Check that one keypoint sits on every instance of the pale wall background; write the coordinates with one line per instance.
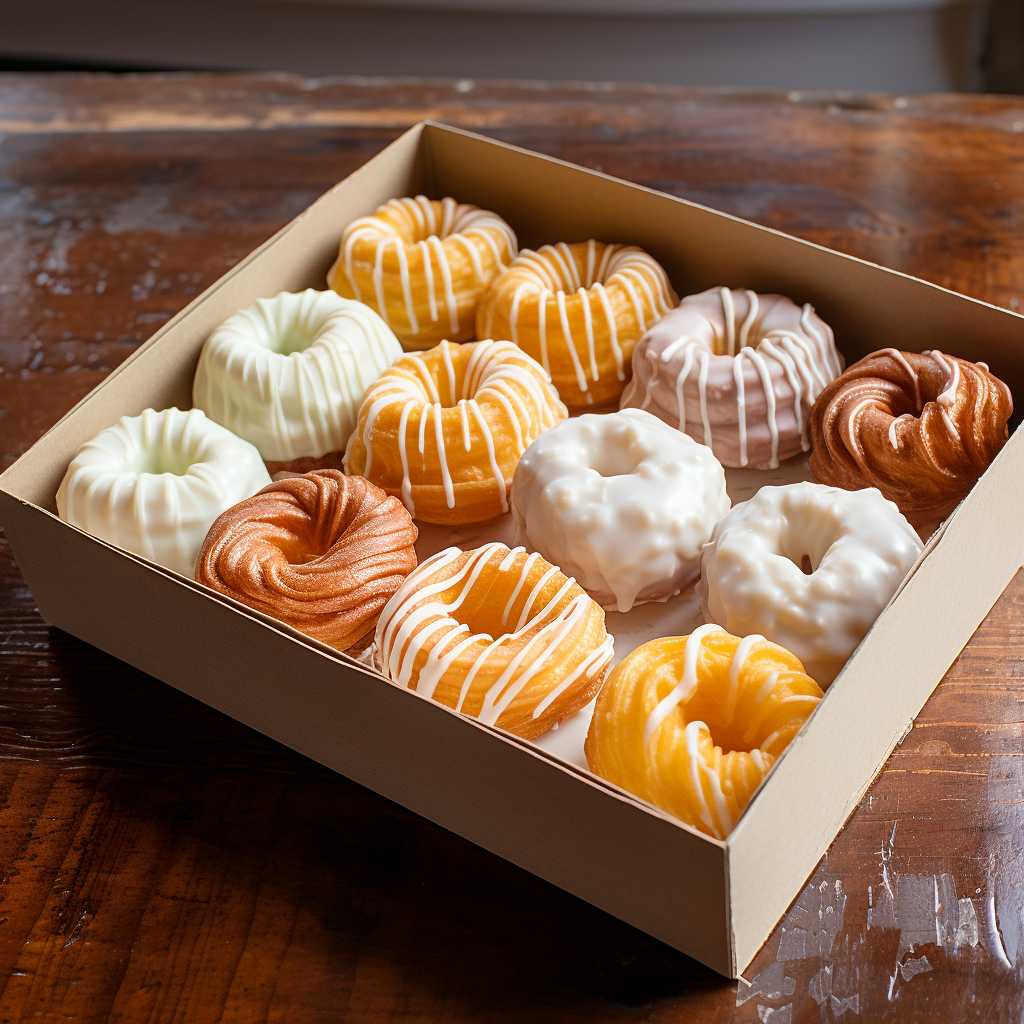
(885, 45)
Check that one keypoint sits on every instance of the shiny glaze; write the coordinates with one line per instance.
(754, 576)
(737, 371)
(153, 484)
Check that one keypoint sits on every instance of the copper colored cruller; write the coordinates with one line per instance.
(920, 427)
(322, 552)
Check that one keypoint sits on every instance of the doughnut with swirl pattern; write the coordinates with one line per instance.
(323, 552)
(920, 427)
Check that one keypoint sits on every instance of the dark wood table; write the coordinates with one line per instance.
(161, 862)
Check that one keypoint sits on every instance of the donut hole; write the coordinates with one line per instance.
(490, 609)
(449, 388)
(733, 318)
(805, 563)
(800, 549)
(301, 550)
(707, 707)
(483, 612)
(158, 462)
(615, 460)
(569, 266)
(295, 336)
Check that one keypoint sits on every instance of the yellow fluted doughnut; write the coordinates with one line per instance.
(423, 264)
(693, 724)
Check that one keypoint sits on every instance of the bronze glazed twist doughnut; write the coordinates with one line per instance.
(920, 427)
(322, 552)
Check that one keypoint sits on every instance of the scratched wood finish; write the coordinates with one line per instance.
(160, 862)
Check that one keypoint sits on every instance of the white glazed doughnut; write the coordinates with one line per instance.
(737, 371)
(288, 373)
(153, 484)
(809, 567)
(622, 502)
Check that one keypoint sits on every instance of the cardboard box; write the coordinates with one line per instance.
(717, 901)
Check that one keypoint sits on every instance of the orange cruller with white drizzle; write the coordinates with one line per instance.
(423, 264)
(579, 309)
(497, 634)
(693, 724)
(443, 430)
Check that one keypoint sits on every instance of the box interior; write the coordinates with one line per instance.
(734, 892)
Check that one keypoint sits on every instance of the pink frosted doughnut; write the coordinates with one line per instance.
(737, 371)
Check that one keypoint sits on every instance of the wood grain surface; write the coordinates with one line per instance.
(159, 862)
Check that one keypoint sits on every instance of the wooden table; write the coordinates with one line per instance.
(161, 862)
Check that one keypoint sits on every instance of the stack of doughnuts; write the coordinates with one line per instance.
(565, 397)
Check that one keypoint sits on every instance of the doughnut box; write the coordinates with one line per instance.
(715, 900)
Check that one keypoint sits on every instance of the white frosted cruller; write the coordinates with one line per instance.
(623, 502)
(808, 566)
(289, 373)
(154, 484)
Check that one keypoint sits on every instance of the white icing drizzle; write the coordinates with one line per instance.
(378, 281)
(563, 317)
(513, 314)
(428, 276)
(403, 223)
(404, 455)
(766, 688)
(739, 659)
(588, 327)
(702, 387)
(542, 337)
(499, 477)
(403, 273)
(909, 371)
(741, 408)
(680, 381)
(446, 477)
(590, 665)
(497, 372)
(421, 612)
(751, 316)
(683, 690)
(446, 279)
(613, 334)
(947, 397)
(446, 357)
(729, 316)
(700, 771)
(464, 415)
